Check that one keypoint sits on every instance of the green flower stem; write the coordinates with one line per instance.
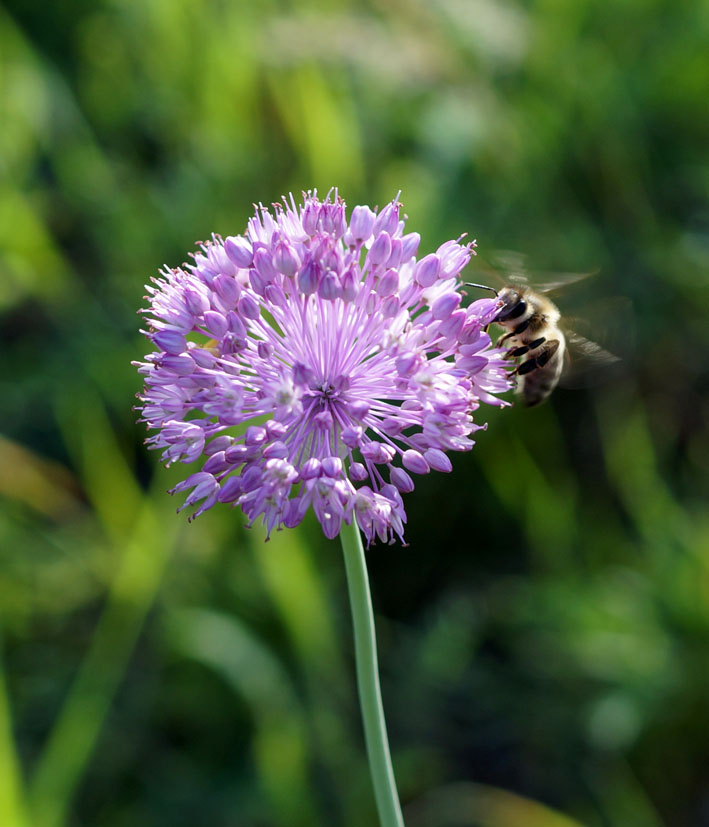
(370, 696)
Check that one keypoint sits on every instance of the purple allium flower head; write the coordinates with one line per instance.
(314, 362)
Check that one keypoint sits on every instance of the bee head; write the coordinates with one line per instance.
(513, 304)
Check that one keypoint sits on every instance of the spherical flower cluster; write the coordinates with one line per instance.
(315, 361)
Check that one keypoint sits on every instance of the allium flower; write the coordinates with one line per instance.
(315, 361)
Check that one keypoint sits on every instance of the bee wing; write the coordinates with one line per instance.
(586, 361)
(513, 268)
(509, 263)
(557, 281)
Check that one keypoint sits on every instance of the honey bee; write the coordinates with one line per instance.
(537, 339)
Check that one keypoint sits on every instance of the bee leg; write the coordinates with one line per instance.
(514, 352)
(519, 329)
(538, 361)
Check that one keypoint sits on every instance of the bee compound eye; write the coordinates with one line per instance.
(513, 311)
(518, 309)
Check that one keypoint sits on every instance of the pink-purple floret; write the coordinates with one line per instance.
(316, 362)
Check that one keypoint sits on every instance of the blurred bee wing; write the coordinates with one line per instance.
(501, 268)
(557, 281)
(509, 261)
(587, 363)
(513, 268)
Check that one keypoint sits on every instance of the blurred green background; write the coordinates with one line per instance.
(544, 638)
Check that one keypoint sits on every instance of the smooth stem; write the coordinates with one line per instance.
(370, 697)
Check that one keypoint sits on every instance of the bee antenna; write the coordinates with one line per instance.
(481, 286)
